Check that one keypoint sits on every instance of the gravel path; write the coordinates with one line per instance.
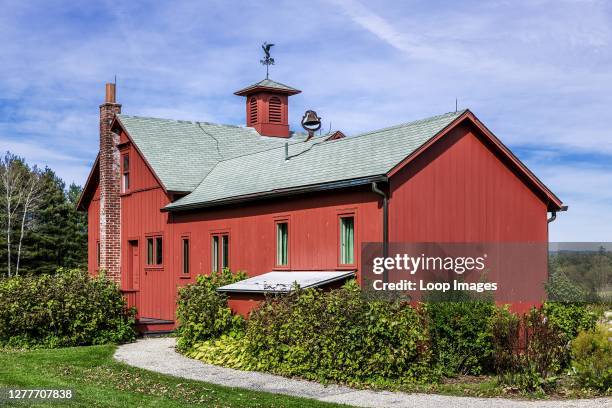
(157, 354)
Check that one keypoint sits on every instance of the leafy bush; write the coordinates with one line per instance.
(339, 336)
(592, 359)
(528, 350)
(203, 313)
(228, 351)
(570, 318)
(461, 336)
(68, 308)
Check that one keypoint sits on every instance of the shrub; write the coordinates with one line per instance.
(68, 308)
(461, 336)
(528, 350)
(339, 336)
(227, 351)
(203, 313)
(592, 359)
(570, 318)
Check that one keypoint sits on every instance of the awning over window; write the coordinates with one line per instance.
(282, 282)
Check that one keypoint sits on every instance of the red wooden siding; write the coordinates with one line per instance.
(152, 287)
(313, 232)
(93, 231)
(459, 191)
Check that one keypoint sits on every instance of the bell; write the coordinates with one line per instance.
(311, 121)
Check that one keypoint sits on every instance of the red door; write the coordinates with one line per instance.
(156, 300)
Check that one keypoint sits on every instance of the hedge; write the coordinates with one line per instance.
(341, 336)
(68, 308)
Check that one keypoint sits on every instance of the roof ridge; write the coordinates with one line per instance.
(371, 132)
(194, 122)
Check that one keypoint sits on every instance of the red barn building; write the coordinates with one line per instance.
(169, 199)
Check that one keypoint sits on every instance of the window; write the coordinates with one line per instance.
(274, 110)
(347, 240)
(282, 243)
(186, 255)
(219, 252)
(98, 253)
(125, 183)
(155, 251)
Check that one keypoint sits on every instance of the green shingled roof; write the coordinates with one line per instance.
(269, 84)
(181, 153)
(315, 162)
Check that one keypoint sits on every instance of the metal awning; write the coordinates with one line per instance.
(283, 282)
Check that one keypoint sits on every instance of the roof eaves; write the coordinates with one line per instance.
(333, 185)
(80, 203)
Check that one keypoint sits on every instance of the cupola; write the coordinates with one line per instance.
(267, 108)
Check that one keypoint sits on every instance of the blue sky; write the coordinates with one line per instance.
(537, 72)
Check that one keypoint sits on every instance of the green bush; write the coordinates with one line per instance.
(528, 350)
(203, 313)
(570, 318)
(68, 308)
(592, 359)
(339, 336)
(461, 336)
(227, 351)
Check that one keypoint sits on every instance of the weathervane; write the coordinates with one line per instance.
(267, 60)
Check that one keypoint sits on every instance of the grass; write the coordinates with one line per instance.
(99, 381)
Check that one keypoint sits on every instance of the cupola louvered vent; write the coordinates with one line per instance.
(253, 110)
(274, 110)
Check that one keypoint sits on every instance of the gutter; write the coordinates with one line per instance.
(385, 240)
(553, 215)
(279, 193)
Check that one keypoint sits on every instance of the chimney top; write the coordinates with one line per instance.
(110, 93)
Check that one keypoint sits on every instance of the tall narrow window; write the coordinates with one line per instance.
(98, 253)
(347, 240)
(125, 185)
(149, 251)
(220, 252)
(215, 253)
(155, 251)
(224, 251)
(158, 251)
(186, 255)
(274, 110)
(282, 243)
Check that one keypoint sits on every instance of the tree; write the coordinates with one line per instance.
(32, 191)
(14, 175)
(41, 228)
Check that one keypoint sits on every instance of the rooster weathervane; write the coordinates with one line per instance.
(267, 59)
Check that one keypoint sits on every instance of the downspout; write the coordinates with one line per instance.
(385, 222)
(553, 216)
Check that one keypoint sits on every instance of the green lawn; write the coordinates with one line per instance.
(99, 381)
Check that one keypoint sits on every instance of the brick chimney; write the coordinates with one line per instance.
(267, 107)
(110, 210)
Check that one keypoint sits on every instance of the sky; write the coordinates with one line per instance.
(538, 73)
